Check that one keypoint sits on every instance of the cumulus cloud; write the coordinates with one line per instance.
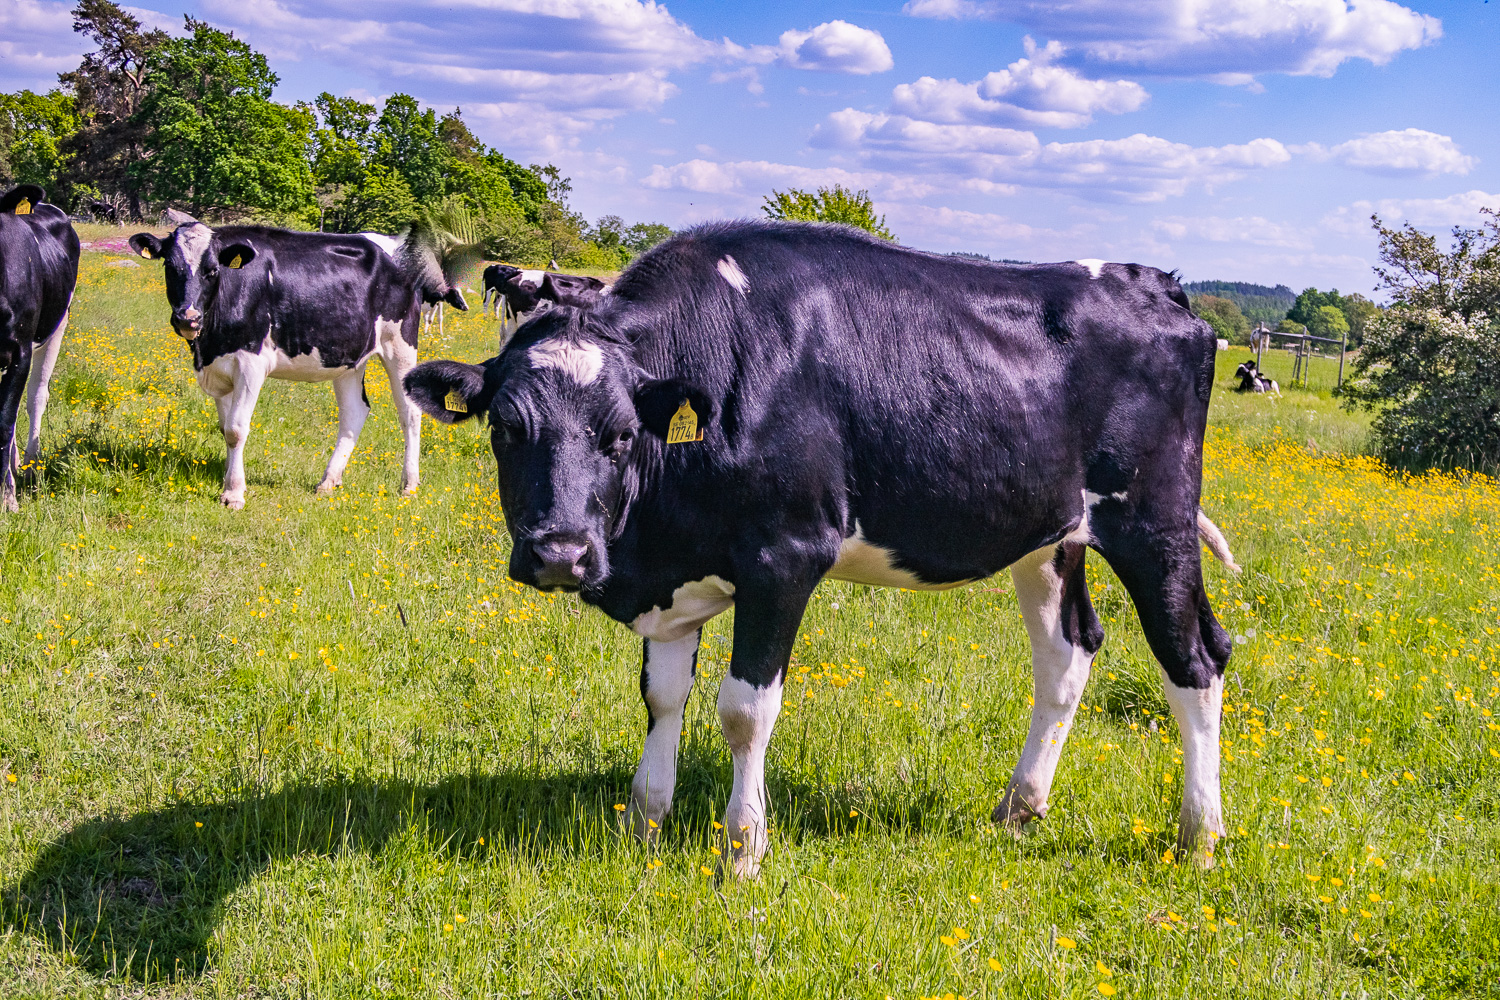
(1228, 40)
(1254, 230)
(1462, 209)
(836, 47)
(1401, 153)
(1138, 168)
(1031, 91)
(36, 43)
(752, 178)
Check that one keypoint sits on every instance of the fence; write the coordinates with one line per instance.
(1301, 359)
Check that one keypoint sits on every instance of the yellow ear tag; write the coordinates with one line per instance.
(236, 262)
(23, 207)
(455, 402)
(146, 252)
(684, 425)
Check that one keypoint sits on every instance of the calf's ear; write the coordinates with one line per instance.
(236, 255)
(657, 400)
(449, 391)
(146, 245)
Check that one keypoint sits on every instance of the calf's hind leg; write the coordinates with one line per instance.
(1163, 573)
(399, 357)
(1065, 635)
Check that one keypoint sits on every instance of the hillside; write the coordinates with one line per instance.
(1259, 303)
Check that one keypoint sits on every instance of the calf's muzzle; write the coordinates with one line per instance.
(559, 562)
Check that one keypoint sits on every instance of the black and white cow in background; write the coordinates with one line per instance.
(850, 409)
(1252, 379)
(255, 303)
(519, 292)
(431, 305)
(38, 271)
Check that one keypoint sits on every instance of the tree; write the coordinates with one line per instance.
(1224, 316)
(1359, 312)
(108, 89)
(1328, 322)
(1430, 365)
(406, 140)
(33, 128)
(215, 140)
(835, 204)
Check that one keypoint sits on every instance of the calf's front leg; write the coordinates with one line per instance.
(249, 376)
(765, 629)
(12, 383)
(37, 388)
(667, 673)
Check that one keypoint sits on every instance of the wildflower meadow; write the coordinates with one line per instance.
(324, 747)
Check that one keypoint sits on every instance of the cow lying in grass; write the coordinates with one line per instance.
(1253, 380)
(758, 406)
(38, 270)
(255, 303)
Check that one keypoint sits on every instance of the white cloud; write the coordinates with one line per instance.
(836, 47)
(1252, 230)
(1403, 152)
(749, 179)
(36, 43)
(1231, 41)
(1031, 91)
(1138, 168)
(1462, 209)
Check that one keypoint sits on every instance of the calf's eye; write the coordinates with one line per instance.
(621, 443)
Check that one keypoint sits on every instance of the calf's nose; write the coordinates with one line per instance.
(560, 563)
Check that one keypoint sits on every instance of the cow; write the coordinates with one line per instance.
(1252, 379)
(757, 406)
(38, 271)
(254, 302)
(520, 292)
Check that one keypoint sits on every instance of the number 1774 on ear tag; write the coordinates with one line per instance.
(684, 425)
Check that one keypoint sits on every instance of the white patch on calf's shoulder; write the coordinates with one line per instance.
(389, 244)
(730, 272)
(581, 362)
(1094, 264)
(861, 561)
(531, 276)
(692, 604)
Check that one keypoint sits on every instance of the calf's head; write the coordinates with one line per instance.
(571, 418)
(193, 255)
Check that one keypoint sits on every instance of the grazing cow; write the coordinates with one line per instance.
(521, 291)
(38, 270)
(254, 302)
(757, 406)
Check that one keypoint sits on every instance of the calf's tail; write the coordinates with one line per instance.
(1217, 544)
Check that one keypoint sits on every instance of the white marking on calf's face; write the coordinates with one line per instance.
(1095, 265)
(692, 604)
(193, 240)
(730, 272)
(863, 562)
(581, 362)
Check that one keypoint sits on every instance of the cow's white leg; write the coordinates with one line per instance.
(748, 714)
(400, 358)
(1059, 671)
(1201, 823)
(349, 394)
(249, 376)
(43, 361)
(667, 672)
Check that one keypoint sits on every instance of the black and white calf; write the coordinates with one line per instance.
(758, 406)
(1252, 379)
(38, 270)
(520, 292)
(256, 303)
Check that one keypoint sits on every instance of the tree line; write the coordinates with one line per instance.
(1232, 307)
(150, 120)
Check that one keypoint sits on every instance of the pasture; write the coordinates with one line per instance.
(323, 747)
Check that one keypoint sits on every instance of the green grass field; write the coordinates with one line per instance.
(323, 747)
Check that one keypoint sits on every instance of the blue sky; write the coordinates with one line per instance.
(1236, 139)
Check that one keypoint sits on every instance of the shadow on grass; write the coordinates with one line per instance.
(141, 896)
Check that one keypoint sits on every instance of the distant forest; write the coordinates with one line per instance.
(1259, 303)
